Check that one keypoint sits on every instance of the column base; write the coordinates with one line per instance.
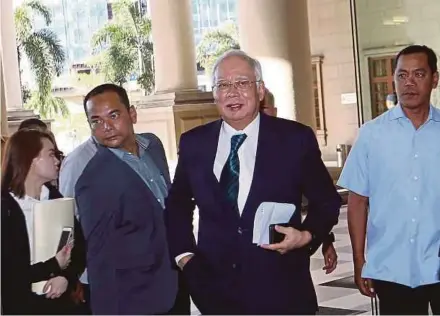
(18, 115)
(170, 114)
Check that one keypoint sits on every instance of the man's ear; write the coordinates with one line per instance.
(133, 114)
(261, 90)
(435, 78)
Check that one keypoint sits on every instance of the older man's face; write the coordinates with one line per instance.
(236, 92)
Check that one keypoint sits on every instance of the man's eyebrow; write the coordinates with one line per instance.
(110, 113)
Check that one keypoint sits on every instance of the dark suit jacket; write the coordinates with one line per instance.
(129, 267)
(229, 274)
(17, 272)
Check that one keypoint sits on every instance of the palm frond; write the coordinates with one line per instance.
(47, 105)
(120, 42)
(40, 62)
(23, 23)
(54, 48)
(213, 44)
(111, 32)
(37, 7)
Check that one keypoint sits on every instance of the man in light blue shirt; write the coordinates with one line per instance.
(393, 174)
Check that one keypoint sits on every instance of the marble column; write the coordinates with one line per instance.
(277, 34)
(9, 55)
(4, 117)
(177, 105)
(174, 48)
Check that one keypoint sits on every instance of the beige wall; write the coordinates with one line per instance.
(331, 37)
(378, 38)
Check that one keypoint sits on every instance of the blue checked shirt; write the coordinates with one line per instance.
(398, 168)
(145, 167)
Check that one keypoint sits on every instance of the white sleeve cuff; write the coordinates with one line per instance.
(182, 255)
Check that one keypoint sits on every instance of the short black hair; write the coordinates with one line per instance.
(32, 123)
(106, 87)
(416, 49)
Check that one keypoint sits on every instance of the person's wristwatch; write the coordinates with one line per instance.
(331, 238)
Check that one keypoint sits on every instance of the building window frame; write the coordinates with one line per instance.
(364, 75)
(318, 99)
(387, 78)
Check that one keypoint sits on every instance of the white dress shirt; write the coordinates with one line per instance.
(27, 206)
(246, 154)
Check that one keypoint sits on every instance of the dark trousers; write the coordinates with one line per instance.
(397, 299)
(84, 307)
(182, 305)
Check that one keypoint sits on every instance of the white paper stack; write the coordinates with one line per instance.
(269, 213)
(49, 219)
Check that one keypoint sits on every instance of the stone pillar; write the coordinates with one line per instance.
(173, 40)
(177, 104)
(277, 34)
(4, 115)
(9, 55)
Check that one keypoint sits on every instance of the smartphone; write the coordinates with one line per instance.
(274, 236)
(66, 237)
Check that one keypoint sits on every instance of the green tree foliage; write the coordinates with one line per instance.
(125, 46)
(214, 43)
(46, 58)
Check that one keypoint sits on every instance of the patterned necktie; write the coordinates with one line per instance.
(229, 179)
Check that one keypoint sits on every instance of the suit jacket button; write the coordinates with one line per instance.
(234, 266)
(240, 231)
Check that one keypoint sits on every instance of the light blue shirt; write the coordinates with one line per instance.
(71, 169)
(146, 168)
(398, 168)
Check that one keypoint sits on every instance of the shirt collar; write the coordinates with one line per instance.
(44, 195)
(249, 130)
(142, 143)
(397, 113)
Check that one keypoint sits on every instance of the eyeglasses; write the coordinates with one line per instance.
(239, 84)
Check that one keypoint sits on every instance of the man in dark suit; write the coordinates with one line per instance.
(228, 168)
(120, 198)
(267, 106)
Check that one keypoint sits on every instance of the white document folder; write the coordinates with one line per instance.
(269, 213)
(49, 219)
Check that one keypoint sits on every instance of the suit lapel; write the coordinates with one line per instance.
(262, 168)
(129, 172)
(161, 165)
(211, 149)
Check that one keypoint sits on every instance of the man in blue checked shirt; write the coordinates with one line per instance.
(393, 174)
(120, 198)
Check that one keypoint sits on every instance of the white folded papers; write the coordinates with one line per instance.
(49, 219)
(269, 213)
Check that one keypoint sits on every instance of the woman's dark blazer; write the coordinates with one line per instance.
(17, 274)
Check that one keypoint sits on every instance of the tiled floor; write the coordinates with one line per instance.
(336, 292)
